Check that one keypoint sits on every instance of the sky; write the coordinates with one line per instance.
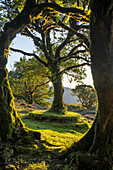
(26, 44)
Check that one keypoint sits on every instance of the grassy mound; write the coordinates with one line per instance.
(58, 130)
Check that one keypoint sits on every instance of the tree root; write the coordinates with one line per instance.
(88, 162)
(82, 145)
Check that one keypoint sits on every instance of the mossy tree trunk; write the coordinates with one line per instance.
(10, 124)
(58, 104)
(8, 115)
(56, 79)
(101, 29)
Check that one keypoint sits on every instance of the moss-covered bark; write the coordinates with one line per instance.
(99, 139)
(10, 124)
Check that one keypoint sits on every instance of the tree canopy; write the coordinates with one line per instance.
(62, 49)
(28, 81)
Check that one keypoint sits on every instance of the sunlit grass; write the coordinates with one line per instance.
(59, 140)
(38, 111)
(57, 134)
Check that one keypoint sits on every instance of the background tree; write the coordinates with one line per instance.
(86, 95)
(59, 54)
(29, 82)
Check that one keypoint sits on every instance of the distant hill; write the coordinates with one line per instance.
(68, 98)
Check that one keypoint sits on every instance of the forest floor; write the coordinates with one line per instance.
(58, 133)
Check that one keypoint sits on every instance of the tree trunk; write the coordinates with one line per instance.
(58, 104)
(10, 124)
(101, 29)
(30, 98)
(8, 115)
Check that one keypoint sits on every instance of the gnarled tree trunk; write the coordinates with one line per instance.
(101, 29)
(10, 124)
(8, 115)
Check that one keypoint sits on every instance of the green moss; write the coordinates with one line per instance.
(38, 166)
(10, 124)
(8, 113)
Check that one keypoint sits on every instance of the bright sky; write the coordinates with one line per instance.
(26, 44)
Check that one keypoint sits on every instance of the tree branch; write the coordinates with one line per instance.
(75, 66)
(61, 46)
(48, 42)
(35, 39)
(40, 30)
(30, 54)
(70, 53)
(72, 30)
(81, 36)
(82, 58)
(39, 85)
(11, 28)
(77, 57)
(69, 11)
(44, 46)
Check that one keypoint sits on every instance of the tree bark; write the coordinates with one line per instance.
(56, 79)
(101, 31)
(58, 104)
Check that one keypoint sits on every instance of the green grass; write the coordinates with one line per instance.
(58, 131)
